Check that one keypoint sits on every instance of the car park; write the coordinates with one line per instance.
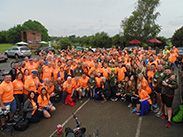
(18, 51)
(3, 57)
(47, 49)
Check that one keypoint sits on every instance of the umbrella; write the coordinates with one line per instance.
(21, 43)
(154, 41)
(135, 41)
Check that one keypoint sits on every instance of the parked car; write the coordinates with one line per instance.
(18, 51)
(131, 47)
(180, 50)
(47, 49)
(3, 57)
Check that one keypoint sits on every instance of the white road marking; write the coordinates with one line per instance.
(138, 127)
(70, 117)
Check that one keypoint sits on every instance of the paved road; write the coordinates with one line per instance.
(112, 119)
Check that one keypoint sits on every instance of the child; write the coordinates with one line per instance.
(120, 92)
(91, 85)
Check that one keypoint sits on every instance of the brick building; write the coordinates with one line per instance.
(31, 37)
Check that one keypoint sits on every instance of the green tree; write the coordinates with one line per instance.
(141, 24)
(64, 42)
(177, 38)
(35, 25)
(101, 40)
(14, 34)
(3, 36)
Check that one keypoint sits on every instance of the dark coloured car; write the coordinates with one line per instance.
(3, 57)
(47, 49)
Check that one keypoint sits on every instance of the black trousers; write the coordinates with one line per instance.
(19, 100)
(36, 117)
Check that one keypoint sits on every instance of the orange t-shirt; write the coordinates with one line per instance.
(43, 101)
(40, 88)
(16, 85)
(6, 92)
(106, 72)
(146, 86)
(51, 89)
(31, 67)
(121, 73)
(150, 75)
(143, 94)
(84, 81)
(31, 84)
(173, 57)
(98, 81)
(55, 74)
(47, 72)
(96, 70)
(36, 64)
(77, 84)
(70, 88)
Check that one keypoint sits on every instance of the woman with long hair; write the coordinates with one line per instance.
(31, 111)
(18, 92)
(45, 103)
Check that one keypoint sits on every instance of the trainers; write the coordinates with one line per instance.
(130, 105)
(155, 105)
(5, 129)
(134, 110)
(156, 110)
(115, 99)
(159, 114)
(12, 122)
(103, 101)
(123, 99)
(168, 124)
(112, 99)
(138, 113)
(16, 117)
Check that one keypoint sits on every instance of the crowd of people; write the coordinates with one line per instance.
(143, 78)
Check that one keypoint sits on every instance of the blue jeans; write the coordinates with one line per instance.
(13, 105)
(92, 90)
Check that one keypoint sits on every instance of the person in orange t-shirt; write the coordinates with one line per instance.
(106, 70)
(44, 103)
(31, 65)
(145, 85)
(150, 74)
(18, 91)
(98, 79)
(7, 98)
(32, 83)
(68, 88)
(48, 71)
(96, 68)
(84, 84)
(77, 85)
(55, 71)
(121, 72)
(143, 98)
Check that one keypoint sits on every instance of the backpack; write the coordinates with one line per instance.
(21, 125)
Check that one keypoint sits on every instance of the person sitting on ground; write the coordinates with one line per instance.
(120, 93)
(44, 103)
(58, 89)
(105, 91)
(143, 102)
(31, 111)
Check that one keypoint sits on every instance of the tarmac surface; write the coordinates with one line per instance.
(112, 119)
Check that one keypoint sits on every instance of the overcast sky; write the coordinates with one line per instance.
(85, 17)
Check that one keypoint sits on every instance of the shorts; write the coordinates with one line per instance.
(92, 90)
(13, 106)
(46, 108)
(167, 100)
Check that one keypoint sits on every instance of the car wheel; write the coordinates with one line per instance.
(6, 55)
(16, 56)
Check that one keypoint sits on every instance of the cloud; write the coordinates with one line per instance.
(176, 22)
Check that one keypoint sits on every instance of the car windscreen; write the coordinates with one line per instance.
(24, 48)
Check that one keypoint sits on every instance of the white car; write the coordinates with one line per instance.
(18, 51)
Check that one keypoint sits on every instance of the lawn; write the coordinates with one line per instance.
(4, 47)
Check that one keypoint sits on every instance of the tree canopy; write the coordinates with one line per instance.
(141, 24)
(177, 38)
